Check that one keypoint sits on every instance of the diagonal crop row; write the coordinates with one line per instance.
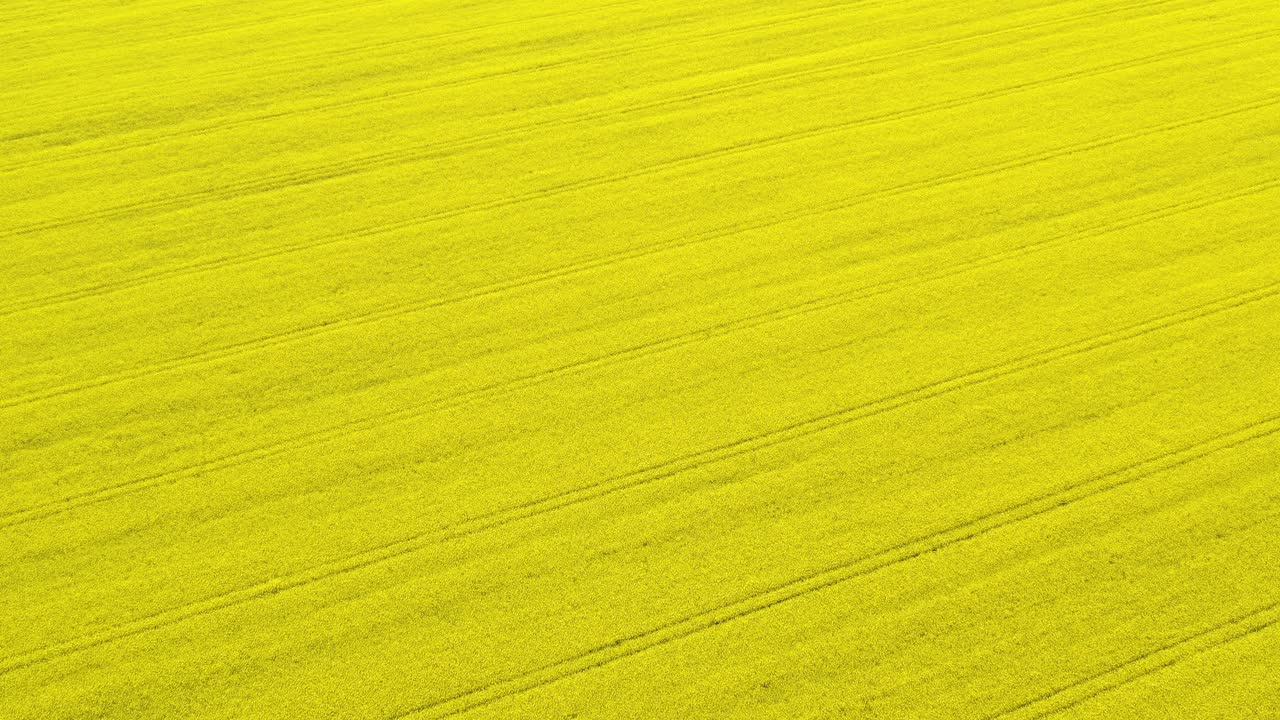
(401, 309)
(1064, 698)
(289, 248)
(648, 349)
(642, 477)
(377, 161)
(202, 266)
(593, 57)
(363, 50)
(852, 569)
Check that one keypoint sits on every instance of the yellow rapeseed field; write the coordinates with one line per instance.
(639, 359)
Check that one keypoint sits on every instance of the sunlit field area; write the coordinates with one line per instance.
(639, 359)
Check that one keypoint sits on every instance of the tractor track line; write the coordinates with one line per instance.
(743, 446)
(1150, 662)
(317, 56)
(586, 58)
(398, 310)
(92, 291)
(667, 344)
(811, 583)
(347, 168)
(101, 289)
(576, 119)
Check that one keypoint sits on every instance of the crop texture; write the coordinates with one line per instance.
(639, 359)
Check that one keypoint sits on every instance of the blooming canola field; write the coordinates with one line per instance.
(608, 359)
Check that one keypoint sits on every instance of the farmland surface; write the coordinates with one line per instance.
(622, 359)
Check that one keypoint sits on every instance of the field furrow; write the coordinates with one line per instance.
(616, 359)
